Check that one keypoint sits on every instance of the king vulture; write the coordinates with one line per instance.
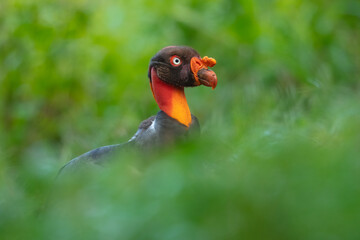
(171, 70)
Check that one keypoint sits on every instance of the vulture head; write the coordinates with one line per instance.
(172, 69)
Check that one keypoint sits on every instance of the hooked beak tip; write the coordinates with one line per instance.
(207, 77)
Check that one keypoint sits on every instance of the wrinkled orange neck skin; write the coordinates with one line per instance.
(170, 99)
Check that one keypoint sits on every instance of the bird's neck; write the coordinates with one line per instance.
(170, 99)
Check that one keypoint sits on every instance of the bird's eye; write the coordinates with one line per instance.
(175, 61)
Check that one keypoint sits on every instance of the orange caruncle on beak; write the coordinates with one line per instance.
(202, 74)
(210, 62)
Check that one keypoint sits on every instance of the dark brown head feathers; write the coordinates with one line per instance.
(179, 75)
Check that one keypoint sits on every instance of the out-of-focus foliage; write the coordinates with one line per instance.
(279, 153)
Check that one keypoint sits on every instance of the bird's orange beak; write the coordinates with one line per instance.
(202, 74)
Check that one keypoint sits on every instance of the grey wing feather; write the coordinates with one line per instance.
(101, 155)
(98, 156)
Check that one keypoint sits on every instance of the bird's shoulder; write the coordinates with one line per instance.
(147, 122)
(146, 133)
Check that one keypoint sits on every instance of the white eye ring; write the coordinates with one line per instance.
(176, 61)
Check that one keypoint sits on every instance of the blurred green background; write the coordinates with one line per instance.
(279, 156)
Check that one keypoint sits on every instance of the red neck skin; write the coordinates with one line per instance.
(170, 99)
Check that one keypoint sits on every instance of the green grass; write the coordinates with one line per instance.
(279, 154)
